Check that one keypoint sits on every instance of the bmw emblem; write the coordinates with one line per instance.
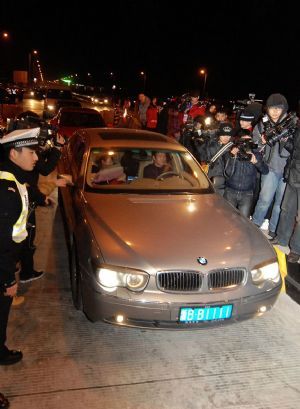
(202, 261)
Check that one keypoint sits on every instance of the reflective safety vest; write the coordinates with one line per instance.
(19, 229)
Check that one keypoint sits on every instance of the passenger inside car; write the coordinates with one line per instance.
(108, 172)
(161, 164)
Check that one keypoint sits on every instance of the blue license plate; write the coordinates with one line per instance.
(210, 313)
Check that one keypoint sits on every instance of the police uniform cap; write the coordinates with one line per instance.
(21, 138)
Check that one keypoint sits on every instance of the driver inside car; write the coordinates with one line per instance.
(159, 166)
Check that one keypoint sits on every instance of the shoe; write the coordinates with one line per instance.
(35, 275)
(265, 225)
(271, 234)
(11, 357)
(4, 404)
(293, 257)
(274, 240)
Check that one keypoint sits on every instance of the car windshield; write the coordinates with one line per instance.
(59, 94)
(81, 119)
(136, 170)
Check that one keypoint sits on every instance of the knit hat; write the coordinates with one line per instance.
(277, 100)
(225, 129)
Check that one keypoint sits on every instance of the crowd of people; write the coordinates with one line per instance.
(251, 157)
(253, 163)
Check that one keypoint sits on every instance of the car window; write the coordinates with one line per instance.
(144, 170)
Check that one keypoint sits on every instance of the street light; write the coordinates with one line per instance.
(144, 78)
(203, 71)
(33, 52)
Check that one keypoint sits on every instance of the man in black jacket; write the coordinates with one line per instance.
(241, 172)
(288, 230)
(47, 161)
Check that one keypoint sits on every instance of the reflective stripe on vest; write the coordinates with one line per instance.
(19, 229)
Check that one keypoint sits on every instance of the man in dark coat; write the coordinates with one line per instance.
(288, 231)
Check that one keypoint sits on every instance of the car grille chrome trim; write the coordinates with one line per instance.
(226, 278)
(181, 281)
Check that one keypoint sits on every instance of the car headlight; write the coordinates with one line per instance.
(50, 107)
(111, 277)
(268, 272)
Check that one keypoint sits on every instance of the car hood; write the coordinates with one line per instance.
(165, 232)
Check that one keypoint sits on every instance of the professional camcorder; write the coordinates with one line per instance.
(28, 119)
(241, 104)
(246, 147)
(283, 130)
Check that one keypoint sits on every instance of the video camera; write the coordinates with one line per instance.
(241, 104)
(28, 119)
(245, 146)
(284, 130)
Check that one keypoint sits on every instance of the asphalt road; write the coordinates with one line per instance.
(70, 362)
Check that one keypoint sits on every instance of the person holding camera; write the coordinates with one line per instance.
(192, 108)
(288, 230)
(213, 153)
(275, 156)
(48, 157)
(241, 173)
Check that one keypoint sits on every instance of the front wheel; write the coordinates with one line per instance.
(75, 279)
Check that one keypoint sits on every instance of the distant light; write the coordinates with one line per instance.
(114, 87)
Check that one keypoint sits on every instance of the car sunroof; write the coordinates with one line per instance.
(131, 137)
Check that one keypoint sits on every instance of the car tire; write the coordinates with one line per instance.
(75, 279)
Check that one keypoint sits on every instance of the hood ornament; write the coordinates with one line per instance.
(202, 260)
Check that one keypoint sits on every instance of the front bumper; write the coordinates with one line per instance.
(164, 315)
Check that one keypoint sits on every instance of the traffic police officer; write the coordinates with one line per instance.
(20, 155)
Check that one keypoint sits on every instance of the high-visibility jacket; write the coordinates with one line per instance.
(19, 229)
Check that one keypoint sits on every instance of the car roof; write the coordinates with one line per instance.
(116, 137)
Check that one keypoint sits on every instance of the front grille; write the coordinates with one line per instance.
(225, 278)
(179, 281)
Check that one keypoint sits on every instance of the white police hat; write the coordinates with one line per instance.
(21, 138)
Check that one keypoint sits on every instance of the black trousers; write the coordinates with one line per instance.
(5, 304)
(28, 248)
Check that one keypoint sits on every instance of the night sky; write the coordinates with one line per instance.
(246, 46)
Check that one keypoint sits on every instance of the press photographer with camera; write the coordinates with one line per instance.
(213, 152)
(272, 142)
(48, 156)
(191, 108)
(240, 172)
(288, 230)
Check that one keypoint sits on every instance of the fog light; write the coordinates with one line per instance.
(120, 318)
(263, 308)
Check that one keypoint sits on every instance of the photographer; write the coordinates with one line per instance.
(48, 157)
(288, 231)
(241, 172)
(192, 108)
(275, 155)
(209, 149)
